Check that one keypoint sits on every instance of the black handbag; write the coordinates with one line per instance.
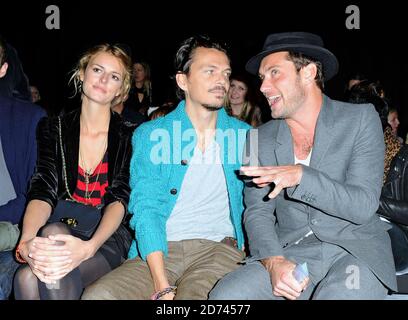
(83, 219)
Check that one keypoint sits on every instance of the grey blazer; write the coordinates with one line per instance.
(339, 192)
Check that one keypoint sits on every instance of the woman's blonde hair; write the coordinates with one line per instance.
(147, 83)
(117, 52)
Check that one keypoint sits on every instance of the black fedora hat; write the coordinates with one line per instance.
(307, 43)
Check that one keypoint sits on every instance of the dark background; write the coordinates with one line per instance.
(154, 29)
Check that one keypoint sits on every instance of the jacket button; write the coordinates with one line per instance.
(303, 197)
(173, 191)
(314, 221)
(184, 162)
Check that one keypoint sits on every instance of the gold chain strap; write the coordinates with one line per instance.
(64, 169)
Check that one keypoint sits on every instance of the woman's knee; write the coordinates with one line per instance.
(54, 228)
(24, 275)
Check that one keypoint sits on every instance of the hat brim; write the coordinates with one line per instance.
(328, 59)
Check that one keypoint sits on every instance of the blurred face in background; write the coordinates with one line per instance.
(35, 94)
(237, 92)
(352, 83)
(139, 72)
(393, 121)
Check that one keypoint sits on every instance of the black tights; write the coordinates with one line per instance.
(28, 287)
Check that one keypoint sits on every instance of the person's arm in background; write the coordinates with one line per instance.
(395, 206)
(394, 210)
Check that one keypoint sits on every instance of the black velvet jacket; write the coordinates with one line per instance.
(47, 183)
(394, 195)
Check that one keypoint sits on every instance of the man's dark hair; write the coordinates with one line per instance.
(300, 60)
(15, 82)
(365, 92)
(185, 54)
(357, 76)
(2, 51)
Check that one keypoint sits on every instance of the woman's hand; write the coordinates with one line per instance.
(45, 257)
(58, 256)
(80, 251)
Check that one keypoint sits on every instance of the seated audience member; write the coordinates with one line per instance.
(394, 194)
(83, 160)
(240, 100)
(18, 154)
(365, 93)
(393, 121)
(187, 211)
(311, 206)
(141, 94)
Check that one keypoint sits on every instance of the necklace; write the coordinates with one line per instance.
(87, 175)
(88, 172)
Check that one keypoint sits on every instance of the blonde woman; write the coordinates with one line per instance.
(140, 95)
(83, 156)
(240, 102)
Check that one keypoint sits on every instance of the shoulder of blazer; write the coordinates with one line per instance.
(68, 119)
(269, 130)
(348, 110)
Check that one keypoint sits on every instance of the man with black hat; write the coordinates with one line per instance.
(320, 163)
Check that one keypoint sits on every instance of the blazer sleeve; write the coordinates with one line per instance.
(259, 214)
(44, 183)
(119, 190)
(357, 198)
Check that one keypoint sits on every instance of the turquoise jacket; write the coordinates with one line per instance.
(162, 150)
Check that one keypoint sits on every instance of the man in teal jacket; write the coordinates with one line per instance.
(186, 196)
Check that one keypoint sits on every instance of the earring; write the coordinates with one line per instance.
(80, 86)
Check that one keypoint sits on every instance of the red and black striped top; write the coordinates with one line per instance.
(96, 186)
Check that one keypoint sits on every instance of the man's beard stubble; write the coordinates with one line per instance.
(212, 107)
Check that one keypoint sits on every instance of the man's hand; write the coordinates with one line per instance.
(281, 176)
(283, 282)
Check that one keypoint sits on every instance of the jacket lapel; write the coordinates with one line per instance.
(323, 133)
(284, 151)
(113, 143)
(70, 139)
